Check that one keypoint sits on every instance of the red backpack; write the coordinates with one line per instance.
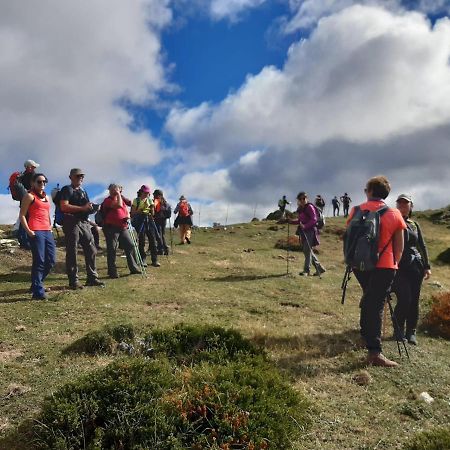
(14, 179)
(184, 209)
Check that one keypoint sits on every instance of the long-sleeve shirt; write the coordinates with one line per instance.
(415, 247)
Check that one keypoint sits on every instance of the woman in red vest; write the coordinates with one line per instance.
(35, 219)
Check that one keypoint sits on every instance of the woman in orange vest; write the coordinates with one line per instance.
(184, 220)
(35, 219)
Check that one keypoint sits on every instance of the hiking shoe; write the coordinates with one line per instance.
(45, 289)
(76, 286)
(113, 275)
(135, 272)
(411, 337)
(39, 297)
(379, 360)
(188, 240)
(156, 264)
(166, 252)
(95, 282)
(304, 274)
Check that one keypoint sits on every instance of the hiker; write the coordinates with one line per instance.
(36, 221)
(308, 234)
(336, 206)
(346, 200)
(282, 203)
(319, 202)
(142, 214)
(184, 220)
(76, 206)
(163, 211)
(376, 283)
(115, 228)
(413, 268)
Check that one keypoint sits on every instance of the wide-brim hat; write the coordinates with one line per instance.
(76, 171)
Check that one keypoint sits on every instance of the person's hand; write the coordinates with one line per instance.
(301, 226)
(427, 274)
(88, 207)
(31, 234)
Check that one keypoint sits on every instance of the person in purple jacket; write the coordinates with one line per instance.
(308, 233)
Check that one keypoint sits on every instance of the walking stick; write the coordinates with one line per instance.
(136, 250)
(287, 250)
(313, 256)
(396, 327)
(171, 236)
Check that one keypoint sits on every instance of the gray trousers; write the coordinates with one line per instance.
(114, 236)
(79, 232)
(310, 257)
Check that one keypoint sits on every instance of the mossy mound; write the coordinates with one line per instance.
(243, 402)
(444, 257)
(438, 439)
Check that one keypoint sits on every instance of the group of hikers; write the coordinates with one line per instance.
(148, 218)
(383, 247)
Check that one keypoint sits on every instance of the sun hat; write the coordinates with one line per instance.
(145, 188)
(406, 197)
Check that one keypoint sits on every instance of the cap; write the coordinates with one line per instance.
(406, 197)
(145, 188)
(182, 198)
(76, 172)
(30, 163)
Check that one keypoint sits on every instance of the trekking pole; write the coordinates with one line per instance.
(199, 209)
(345, 280)
(136, 249)
(313, 256)
(171, 235)
(226, 217)
(287, 251)
(396, 327)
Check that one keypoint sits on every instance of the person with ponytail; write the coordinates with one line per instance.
(35, 219)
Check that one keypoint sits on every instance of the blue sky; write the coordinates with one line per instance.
(228, 101)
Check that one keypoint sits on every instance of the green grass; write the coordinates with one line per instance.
(220, 281)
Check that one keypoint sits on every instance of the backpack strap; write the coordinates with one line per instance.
(382, 211)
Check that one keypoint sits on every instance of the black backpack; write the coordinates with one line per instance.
(361, 239)
(320, 217)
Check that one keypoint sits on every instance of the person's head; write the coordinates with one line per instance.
(30, 165)
(76, 177)
(302, 199)
(114, 189)
(284, 197)
(182, 198)
(38, 182)
(378, 187)
(144, 191)
(405, 205)
(157, 193)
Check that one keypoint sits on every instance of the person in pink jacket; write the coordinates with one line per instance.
(308, 233)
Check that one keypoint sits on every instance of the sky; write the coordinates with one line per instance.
(232, 103)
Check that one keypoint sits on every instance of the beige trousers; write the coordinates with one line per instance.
(185, 232)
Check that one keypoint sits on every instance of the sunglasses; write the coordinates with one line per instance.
(41, 181)
(79, 176)
(302, 198)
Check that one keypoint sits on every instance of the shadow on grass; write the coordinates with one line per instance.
(305, 351)
(249, 277)
(59, 268)
(20, 438)
(9, 296)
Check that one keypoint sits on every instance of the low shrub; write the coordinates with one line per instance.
(138, 403)
(189, 343)
(437, 321)
(292, 244)
(444, 257)
(438, 439)
(102, 341)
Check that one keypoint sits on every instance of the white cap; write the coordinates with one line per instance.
(30, 163)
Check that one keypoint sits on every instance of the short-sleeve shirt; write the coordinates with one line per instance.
(143, 206)
(116, 217)
(75, 197)
(391, 221)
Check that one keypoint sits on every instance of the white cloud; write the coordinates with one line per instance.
(64, 66)
(220, 9)
(365, 82)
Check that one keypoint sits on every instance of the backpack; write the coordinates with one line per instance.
(183, 209)
(99, 217)
(320, 217)
(14, 186)
(167, 211)
(361, 239)
(56, 197)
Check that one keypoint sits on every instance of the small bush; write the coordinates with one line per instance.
(293, 243)
(139, 403)
(437, 321)
(102, 341)
(198, 343)
(444, 257)
(438, 439)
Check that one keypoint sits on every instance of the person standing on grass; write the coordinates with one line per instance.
(413, 268)
(376, 283)
(36, 221)
(163, 211)
(142, 214)
(184, 220)
(115, 229)
(320, 202)
(336, 206)
(346, 200)
(308, 233)
(76, 206)
(282, 203)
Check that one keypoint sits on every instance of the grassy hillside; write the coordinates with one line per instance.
(234, 278)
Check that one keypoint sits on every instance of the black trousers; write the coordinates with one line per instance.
(161, 227)
(376, 285)
(150, 232)
(114, 236)
(407, 285)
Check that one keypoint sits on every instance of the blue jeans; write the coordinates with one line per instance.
(43, 249)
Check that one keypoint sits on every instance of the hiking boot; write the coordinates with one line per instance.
(379, 360)
(76, 286)
(156, 264)
(39, 297)
(411, 337)
(95, 282)
(166, 252)
(188, 240)
(135, 272)
(113, 275)
(304, 274)
(45, 289)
